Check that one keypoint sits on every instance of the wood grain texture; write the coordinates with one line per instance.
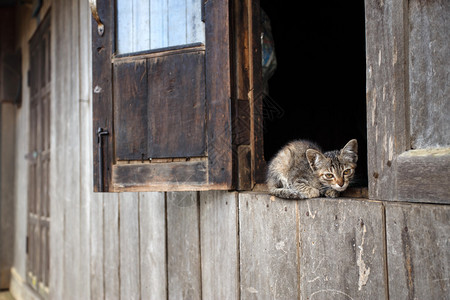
(131, 109)
(111, 246)
(257, 96)
(96, 255)
(130, 283)
(86, 195)
(218, 92)
(183, 246)
(71, 141)
(189, 175)
(219, 245)
(269, 257)
(418, 251)
(342, 249)
(386, 85)
(102, 91)
(423, 176)
(152, 235)
(176, 111)
(65, 233)
(429, 72)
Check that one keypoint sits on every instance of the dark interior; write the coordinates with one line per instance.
(318, 89)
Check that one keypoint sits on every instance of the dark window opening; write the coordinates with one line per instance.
(318, 89)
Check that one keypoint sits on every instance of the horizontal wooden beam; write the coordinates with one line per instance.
(423, 175)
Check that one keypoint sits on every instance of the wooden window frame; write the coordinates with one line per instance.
(396, 171)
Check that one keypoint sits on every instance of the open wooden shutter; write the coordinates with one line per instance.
(161, 116)
(408, 103)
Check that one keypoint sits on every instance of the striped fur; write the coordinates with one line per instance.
(300, 170)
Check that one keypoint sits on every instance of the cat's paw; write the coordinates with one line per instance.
(331, 193)
(312, 193)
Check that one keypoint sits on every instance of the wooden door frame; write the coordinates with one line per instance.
(396, 172)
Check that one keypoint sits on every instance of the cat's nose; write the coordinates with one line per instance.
(340, 182)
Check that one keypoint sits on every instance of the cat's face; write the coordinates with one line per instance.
(335, 169)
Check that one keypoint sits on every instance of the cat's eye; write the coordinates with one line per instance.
(329, 175)
(347, 172)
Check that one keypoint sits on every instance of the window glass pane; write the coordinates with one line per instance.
(151, 24)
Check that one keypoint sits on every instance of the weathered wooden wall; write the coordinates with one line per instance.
(408, 107)
(210, 245)
(227, 245)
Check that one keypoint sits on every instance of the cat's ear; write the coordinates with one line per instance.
(350, 151)
(314, 158)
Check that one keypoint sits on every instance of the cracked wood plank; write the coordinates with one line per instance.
(418, 238)
(183, 246)
(268, 247)
(341, 249)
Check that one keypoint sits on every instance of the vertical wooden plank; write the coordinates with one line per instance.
(177, 22)
(158, 24)
(102, 106)
(176, 113)
(342, 249)
(130, 285)
(218, 92)
(386, 81)
(269, 259)
(130, 110)
(111, 247)
(58, 164)
(183, 246)
(96, 255)
(152, 222)
(418, 251)
(257, 96)
(86, 196)
(71, 152)
(219, 245)
(429, 70)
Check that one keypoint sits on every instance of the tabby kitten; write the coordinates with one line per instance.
(300, 170)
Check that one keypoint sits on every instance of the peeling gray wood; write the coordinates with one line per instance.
(341, 249)
(85, 148)
(418, 243)
(386, 80)
(219, 245)
(129, 246)
(269, 259)
(152, 236)
(407, 75)
(65, 233)
(429, 71)
(183, 246)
